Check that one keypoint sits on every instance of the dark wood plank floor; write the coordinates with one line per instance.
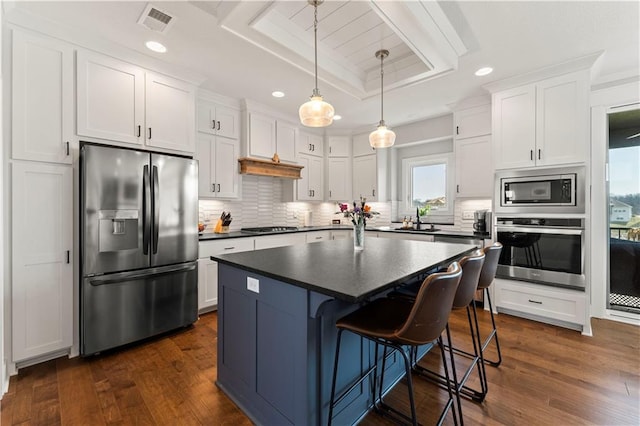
(549, 376)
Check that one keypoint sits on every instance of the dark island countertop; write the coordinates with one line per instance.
(334, 269)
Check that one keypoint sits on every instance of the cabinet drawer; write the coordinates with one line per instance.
(314, 237)
(549, 302)
(230, 245)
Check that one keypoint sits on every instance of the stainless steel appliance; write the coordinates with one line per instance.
(139, 245)
(543, 250)
(540, 191)
(481, 221)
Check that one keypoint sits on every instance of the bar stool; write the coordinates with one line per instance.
(396, 322)
(471, 268)
(492, 255)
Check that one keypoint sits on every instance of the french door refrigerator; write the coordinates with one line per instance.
(139, 245)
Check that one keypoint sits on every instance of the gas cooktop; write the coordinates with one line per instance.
(266, 229)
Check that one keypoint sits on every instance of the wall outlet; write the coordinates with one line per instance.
(467, 214)
(253, 285)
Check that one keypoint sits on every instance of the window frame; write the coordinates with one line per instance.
(407, 184)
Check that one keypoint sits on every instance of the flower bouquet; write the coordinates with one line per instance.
(358, 215)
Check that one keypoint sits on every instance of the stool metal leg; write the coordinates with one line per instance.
(492, 335)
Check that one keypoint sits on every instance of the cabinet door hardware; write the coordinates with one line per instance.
(309, 147)
(457, 188)
(329, 150)
(218, 125)
(531, 155)
(457, 130)
(139, 130)
(373, 192)
(213, 125)
(68, 256)
(318, 238)
(313, 147)
(230, 248)
(539, 153)
(149, 132)
(218, 187)
(213, 187)
(535, 301)
(329, 193)
(67, 148)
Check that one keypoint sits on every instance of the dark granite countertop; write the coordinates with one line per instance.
(448, 233)
(334, 269)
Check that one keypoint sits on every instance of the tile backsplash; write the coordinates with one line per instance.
(261, 205)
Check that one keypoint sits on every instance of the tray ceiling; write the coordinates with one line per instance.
(421, 41)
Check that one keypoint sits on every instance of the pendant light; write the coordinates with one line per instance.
(316, 112)
(382, 137)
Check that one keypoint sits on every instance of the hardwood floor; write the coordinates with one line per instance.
(549, 376)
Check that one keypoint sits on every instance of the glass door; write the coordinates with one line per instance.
(624, 210)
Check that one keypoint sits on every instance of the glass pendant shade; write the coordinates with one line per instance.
(316, 112)
(382, 137)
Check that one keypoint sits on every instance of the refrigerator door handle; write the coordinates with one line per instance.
(146, 210)
(156, 209)
(132, 276)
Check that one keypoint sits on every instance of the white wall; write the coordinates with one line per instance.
(604, 101)
(4, 383)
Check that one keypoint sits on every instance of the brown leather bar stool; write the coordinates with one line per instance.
(471, 268)
(396, 323)
(492, 255)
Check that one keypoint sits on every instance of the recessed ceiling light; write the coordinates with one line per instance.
(156, 46)
(484, 71)
(337, 117)
(277, 94)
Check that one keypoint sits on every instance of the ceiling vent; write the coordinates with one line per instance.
(156, 19)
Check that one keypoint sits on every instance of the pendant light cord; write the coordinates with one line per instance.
(381, 91)
(315, 44)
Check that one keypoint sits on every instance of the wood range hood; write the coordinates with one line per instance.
(273, 167)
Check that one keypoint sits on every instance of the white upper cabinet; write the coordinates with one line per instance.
(170, 113)
(42, 99)
(310, 185)
(339, 146)
(338, 171)
(361, 145)
(545, 123)
(310, 144)
(472, 122)
(120, 102)
(365, 177)
(42, 258)
(218, 120)
(474, 167)
(267, 136)
(217, 167)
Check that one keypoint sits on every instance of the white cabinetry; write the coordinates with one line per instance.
(267, 136)
(310, 185)
(310, 144)
(365, 177)
(361, 145)
(474, 167)
(472, 122)
(544, 123)
(121, 102)
(543, 303)
(406, 236)
(42, 259)
(338, 171)
(218, 120)
(342, 234)
(208, 269)
(339, 146)
(217, 166)
(317, 236)
(280, 240)
(42, 99)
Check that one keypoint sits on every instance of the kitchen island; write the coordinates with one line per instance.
(276, 322)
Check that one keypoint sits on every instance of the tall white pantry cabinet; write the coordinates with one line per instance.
(41, 196)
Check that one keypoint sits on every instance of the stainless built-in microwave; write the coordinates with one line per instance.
(541, 191)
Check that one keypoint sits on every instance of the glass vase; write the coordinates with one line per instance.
(358, 236)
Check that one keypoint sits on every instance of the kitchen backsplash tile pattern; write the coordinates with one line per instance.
(261, 205)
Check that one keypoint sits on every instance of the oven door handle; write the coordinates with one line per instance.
(560, 231)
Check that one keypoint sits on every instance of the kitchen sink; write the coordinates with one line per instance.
(418, 230)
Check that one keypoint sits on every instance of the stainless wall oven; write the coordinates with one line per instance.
(544, 250)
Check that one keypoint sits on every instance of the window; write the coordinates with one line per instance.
(427, 183)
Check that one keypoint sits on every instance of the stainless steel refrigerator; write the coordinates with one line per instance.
(139, 245)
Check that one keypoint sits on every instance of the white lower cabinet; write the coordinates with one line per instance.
(208, 269)
(406, 236)
(342, 234)
(317, 236)
(42, 259)
(548, 304)
(280, 240)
